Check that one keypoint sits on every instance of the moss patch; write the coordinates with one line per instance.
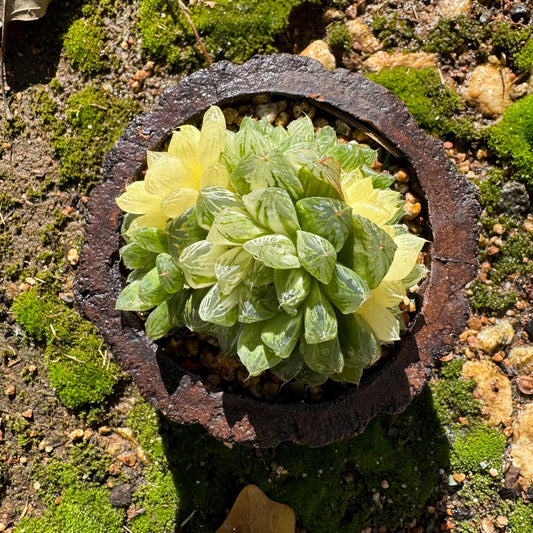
(75, 356)
(433, 105)
(336, 488)
(83, 44)
(94, 119)
(231, 30)
(512, 138)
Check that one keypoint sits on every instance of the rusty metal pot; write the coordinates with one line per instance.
(389, 386)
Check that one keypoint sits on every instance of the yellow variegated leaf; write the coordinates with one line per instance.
(372, 212)
(389, 293)
(153, 157)
(167, 174)
(184, 146)
(212, 137)
(383, 323)
(358, 192)
(178, 201)
(409, 246)
(215, 175)
(156, 220)
(138, 201)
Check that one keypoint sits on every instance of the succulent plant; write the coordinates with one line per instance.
(284, 244)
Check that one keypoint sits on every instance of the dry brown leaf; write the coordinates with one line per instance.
(23, 9)
(254, 512)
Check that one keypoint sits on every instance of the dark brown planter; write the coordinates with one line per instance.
(387, 387)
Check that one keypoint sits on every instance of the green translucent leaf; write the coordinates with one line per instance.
(183, 231)
(176, 307)
(302, 129)
(347, 290)
(413, 278)
(319, 319)
(317, 255)
(219, 308)
(380, 180)
(276, 251)
(251, 141)
(310, 377)
(369, 251)
(198, 263)
(151, 292)
(127, 219)
(170, 276)
(258, 275)
(134, 256)
(159, 323)
(289, 367)
(227, 337)
(272, 170)
(273, 208)
(321, 180)
(292, 288)
(191, 313)
(253, 353)
(258, 304)
(237, 227)
(281, 333)
(352, 156)
(213, 200)
(326, 217)
(326, 139)
(370, 156)
(128, 299)
(323, 357)
(231, 268)
(278, 135)
(151, 239)
(138, 274)
(359, 345)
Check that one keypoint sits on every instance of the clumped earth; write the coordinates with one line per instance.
(78, 446)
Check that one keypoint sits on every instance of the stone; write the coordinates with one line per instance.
(362, 35)
(488, 88)
(452, 8)
(270, 111)
(493, 389)
(120, 496)
(514, 199)
(319, 50)
(128, 459)
(381, 60)
(521, 357)
(522, 443)
(525, 384)
(520, 13)
(76, 434)
(490, 337)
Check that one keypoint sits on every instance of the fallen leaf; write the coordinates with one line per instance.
(254, 512)
(22, 9)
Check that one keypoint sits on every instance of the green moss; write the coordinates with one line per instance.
(478, 491)
(523, 59)
(339, 38)
(81, 510)
(231, 30)
(159, 495)
(515, 42)
(24, 431)
(433, 105)
(521, 517)
(75, 360)
(83, 45)
(95, 119)
(478, 450)
(334, 488)
(393, 30)
(452, 395)
(512, 138)
(490, 298)
(515, 249)
(455, 35)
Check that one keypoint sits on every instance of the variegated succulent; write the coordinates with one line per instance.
(284, 244)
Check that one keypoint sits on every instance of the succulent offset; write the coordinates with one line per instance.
(284, 244)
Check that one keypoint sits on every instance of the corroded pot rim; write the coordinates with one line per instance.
(452, 211)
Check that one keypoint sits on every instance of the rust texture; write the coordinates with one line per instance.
(389, 387)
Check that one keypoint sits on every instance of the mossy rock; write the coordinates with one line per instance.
(74, 353)
(434, 106)
(512, 138)
(230, 30)
(83, 45)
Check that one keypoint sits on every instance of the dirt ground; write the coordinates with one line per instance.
(41, 231)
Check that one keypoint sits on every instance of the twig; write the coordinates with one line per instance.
(196, 34)
(9, 115)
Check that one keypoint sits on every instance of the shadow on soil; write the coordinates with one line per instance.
(383, 477)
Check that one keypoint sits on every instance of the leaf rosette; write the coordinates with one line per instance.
(284, 244)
